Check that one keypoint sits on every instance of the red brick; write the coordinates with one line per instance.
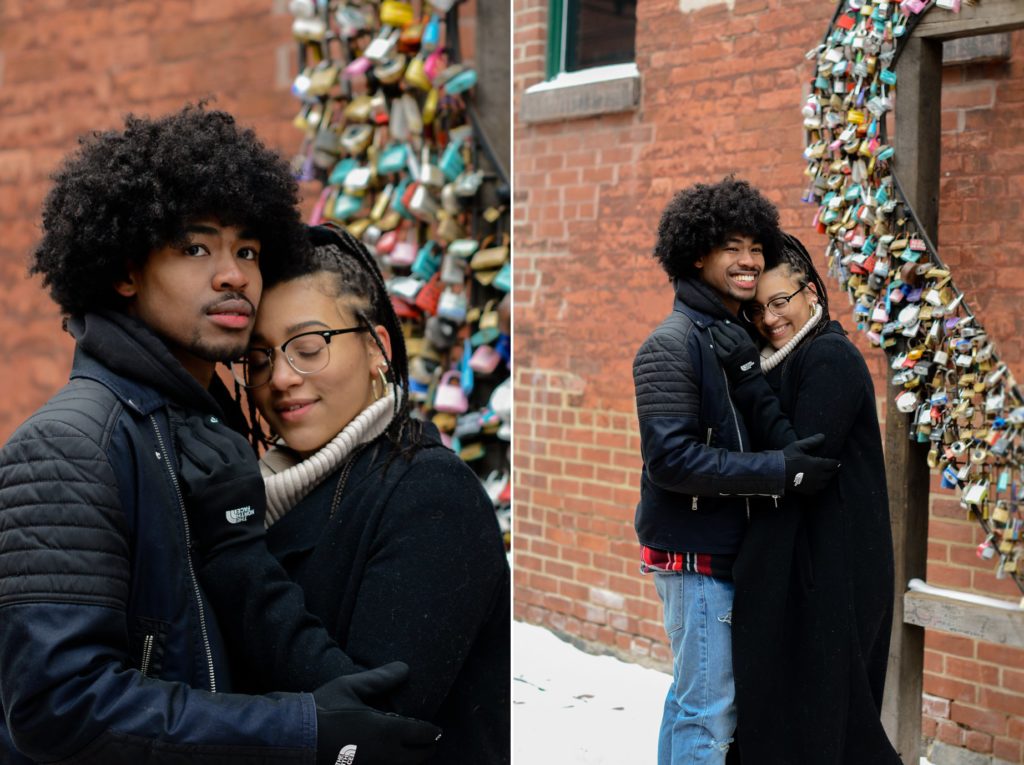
(947, 643)
(949, 576)
(977, 742)
(949, 732)
(1010, 703)
(1008, 749)
(1013, 680)
(972, 671)
(935, 706)
(979, 719)
(1016, 728)
(934, 662)
(1003, 655)
(949, 688)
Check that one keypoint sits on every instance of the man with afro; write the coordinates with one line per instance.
(714, 240)
(129, 509)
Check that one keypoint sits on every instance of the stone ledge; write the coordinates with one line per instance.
(976, 50)
(576, 101)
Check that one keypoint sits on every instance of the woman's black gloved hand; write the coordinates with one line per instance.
(222, 486)
(349, 731)
(805, 473)
(736, 352)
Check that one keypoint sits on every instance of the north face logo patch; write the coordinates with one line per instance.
(239, 514)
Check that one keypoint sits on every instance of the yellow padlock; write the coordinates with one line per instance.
(430, 107)
(396, 13)
(416, 75)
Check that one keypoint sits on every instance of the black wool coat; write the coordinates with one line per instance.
(814, 577)
(411, 567)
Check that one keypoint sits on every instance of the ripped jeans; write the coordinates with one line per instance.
(699, 719)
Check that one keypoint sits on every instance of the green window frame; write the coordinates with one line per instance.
(566, 38)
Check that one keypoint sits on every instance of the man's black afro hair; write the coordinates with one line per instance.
(123, 194)
(701, 217)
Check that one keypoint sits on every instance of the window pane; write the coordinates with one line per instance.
(599, 32)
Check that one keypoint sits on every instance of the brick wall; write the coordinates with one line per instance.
(69, 68)
(721, 92)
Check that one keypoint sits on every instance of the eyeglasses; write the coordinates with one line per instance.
(307, 354)
(778, 306)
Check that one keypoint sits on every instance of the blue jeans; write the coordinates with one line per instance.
(699, 720)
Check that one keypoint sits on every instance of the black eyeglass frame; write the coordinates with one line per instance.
(747, 309)
(326, 334)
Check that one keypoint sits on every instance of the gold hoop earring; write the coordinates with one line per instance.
(383, 384)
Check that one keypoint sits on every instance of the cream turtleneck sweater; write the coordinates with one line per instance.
(289, 479)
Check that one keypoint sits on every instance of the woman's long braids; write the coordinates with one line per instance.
(334, 250)
(793, 254)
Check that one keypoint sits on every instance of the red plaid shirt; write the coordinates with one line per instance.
(718, 566)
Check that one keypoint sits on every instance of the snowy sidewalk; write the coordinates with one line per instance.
(571, 708)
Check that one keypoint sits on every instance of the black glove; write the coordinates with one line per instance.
(736, 351)
(220, 479)
(348, 731)
(806, 474)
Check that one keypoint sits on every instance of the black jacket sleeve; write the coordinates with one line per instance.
(676, 454)
(277, 643)
(67, 686)
(761, 411)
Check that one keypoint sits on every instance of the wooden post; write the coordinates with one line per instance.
(918, 93)
(493, 98)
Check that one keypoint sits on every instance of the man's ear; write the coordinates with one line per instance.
(698, 263)
(127, 287)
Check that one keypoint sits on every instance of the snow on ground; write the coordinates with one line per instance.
(573, 708)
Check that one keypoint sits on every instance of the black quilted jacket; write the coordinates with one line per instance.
(698, 471)
(109, 652)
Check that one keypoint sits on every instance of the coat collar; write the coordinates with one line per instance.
(128, 358)
(700, 302)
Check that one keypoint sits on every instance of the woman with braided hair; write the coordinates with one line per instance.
(391, 536)
(814, 575)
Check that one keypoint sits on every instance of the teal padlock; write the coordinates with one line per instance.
(503, 280)
(451, 163)
(396, 200)
(431, 34)
(427, 262)
(346, 206)
(393, 159)
(461, 82)
(341, 171)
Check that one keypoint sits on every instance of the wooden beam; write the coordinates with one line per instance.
(917, 165)
(987, 17)
(994, 625)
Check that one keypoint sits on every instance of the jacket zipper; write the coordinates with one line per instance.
(188, 557)
(736, 422)
(694, 506)
(147, 654)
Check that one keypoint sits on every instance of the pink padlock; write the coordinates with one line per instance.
(434, 64)
(484, 360)
(403, 254)
(318, 210)
(358, 66)
(450, 397)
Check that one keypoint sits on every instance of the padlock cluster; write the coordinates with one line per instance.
(387, 131)
(962, 399)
